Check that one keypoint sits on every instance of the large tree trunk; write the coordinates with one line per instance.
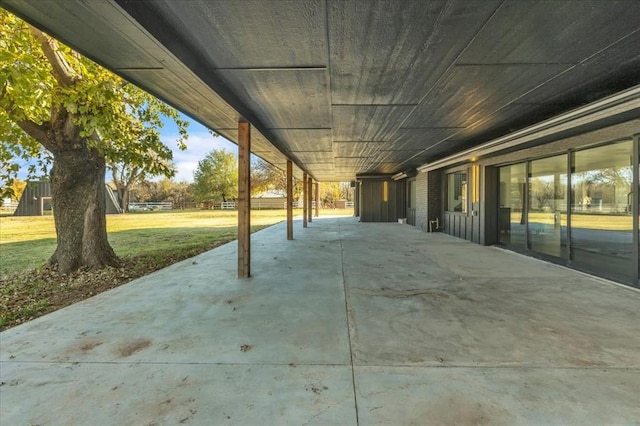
(124, 199)
(78, 200)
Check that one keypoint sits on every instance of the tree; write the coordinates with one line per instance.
(125, 175)
(543, 192)
(180, 194)
(216, 177)
(54, 102)
(346, 192)
(330, 192)
(166, 190)
(267, 177)
(14, 191)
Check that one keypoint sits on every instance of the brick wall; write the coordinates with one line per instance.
(435, 195)
(428, 199)
(422, 204)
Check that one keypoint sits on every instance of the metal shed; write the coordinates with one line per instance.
(36, 200)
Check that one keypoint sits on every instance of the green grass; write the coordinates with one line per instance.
(28, 242)
(599, 221)
(145, 243)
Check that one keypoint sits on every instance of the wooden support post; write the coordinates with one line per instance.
(305, 202)
(310, 196)
(317, 199)
(289, 200)
(244, 200)
(356, 200)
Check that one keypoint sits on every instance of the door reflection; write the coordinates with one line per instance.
(513, 197)
(547, 215)
(601, 213)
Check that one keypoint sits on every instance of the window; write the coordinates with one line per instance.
(513, 199)
(457, 192)
(547, 215)
(601, 207)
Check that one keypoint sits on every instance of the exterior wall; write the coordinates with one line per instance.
(112, 204)
(429, 199)
(373, 208)
(435, 200)
(422, 202)
(464, 225)
(33, 193)
(410, 185)
(480, 227)
(489, 206)
(607, 134)
(356, 199)
(480, 223)
(30, 201)
(459, 225)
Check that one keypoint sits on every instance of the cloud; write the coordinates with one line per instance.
(199, 144)
(185, 171)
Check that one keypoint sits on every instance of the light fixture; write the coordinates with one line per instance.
(475, 183)
(399, 176)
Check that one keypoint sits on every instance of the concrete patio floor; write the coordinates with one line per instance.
(351, 323)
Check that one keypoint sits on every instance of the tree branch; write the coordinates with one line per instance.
(38, 132)
(62, 71)
(35, 130)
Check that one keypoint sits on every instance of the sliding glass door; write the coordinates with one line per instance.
(588, 218)
(513, 200)
(547, 215)
(601, 213)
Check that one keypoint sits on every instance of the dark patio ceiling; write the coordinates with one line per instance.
(345, 87)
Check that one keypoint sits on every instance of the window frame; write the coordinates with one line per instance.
(464, 191)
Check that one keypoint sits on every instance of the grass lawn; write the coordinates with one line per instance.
(28, 242)
(598, 221)
(145, 242)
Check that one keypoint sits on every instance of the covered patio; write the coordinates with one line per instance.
(351, 323)
(394, 96)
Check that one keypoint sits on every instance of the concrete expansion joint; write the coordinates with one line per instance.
(131, 363)
(346, 307)
(445, 365)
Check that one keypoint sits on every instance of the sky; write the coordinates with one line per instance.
(199, 144)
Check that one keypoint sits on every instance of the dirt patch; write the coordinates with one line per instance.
(89, 346)
(132, 347)
(402, 294)
(81, 347)
(315, 388)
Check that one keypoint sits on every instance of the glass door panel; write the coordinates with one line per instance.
(547, 213)
(601, 212)
(513, 196)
